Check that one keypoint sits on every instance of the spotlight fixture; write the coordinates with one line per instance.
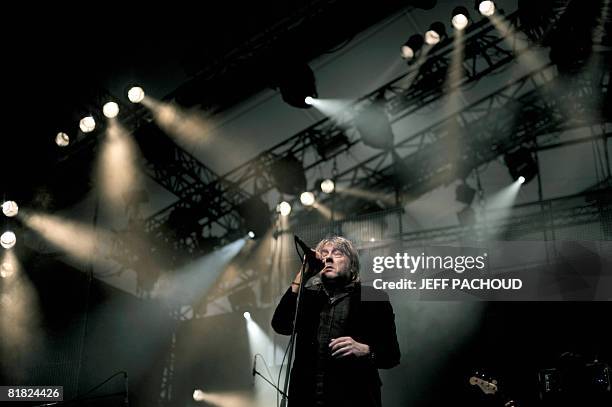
(307, 198)
(309, 100)
(465, 194)
(412, 46)
(8, 239)
(110, 109)
(10, 208)
(62, 139)
(87, 124)
(136, 94)
(521, 164)
(284, 208)
(328, 186)
(296, 82)
(327, 145)
(435, 33)
(460, 18)
(198, 395)
(242, 300)
(255, 215)
(288, 175)
(486, 8)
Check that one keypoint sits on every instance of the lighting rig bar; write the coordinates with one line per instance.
(485, 52)
(479, 133)
(549, 215)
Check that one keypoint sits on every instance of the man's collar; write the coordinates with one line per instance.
(316, 281)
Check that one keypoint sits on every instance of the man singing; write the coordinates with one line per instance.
(342, 340)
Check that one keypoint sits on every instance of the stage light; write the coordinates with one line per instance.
(521, 164)
(460, 18)
(256, 216)
(309, 100)
(62, 139)
(136, 94)
(8, 239)
(251, 234)
(7, 269)
(412, 46)
(10, 208)
(465, 194)
(198, 395)
(242, 300)
(328, 186)
(87, 124)
(284, 208)
(288, 175)
(486, 8)
(327, 146)
(296, 82)
(521, 180)
(307, 198)
(110, 109)
(435, 33)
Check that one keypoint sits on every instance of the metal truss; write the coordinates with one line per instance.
(485, 51)
(203, 194)
(534, 106)
(541, 216)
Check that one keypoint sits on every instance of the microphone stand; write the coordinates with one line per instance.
(293, 332)
(270, 383)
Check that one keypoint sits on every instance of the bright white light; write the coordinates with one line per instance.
(309, 100)
(328, 186)
(432, 37)
(198, 395)
(87, 124)
(459, 21)
(247, 315)
(284, 208)
(6, 269)
(136, 94)
(110, 109)
(307, 198)
(62, 139)
(8, 239)
(407, 52)
(521, 179)
(486, 8)
(372, 239)
(10, 208)
(251, 234)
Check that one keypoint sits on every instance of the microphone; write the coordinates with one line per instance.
(311, 257)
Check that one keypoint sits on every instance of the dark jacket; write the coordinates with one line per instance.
(348, 381)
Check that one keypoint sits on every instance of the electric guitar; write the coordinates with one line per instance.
(489, 386)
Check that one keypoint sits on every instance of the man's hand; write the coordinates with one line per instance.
(314, 265)
(345, 346)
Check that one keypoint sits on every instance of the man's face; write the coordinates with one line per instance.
(336, 263)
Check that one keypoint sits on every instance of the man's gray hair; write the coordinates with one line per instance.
(346, 247)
